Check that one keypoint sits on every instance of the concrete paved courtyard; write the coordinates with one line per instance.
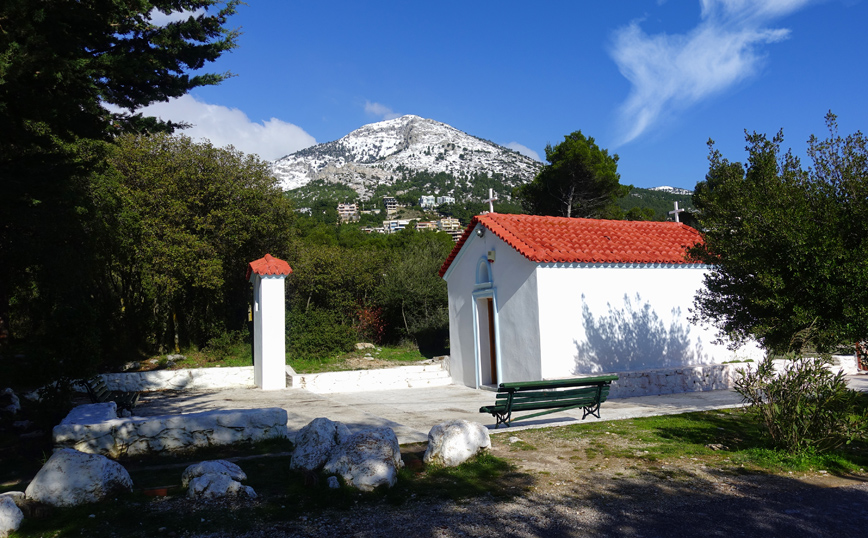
(412, 412)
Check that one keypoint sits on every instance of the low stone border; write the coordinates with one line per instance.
(674, 380)
(698, 378)
(644, 383)
(401, 377)
(134, 436)
(187, 379)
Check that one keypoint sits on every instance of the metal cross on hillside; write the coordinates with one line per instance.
(491, 199)
(676, 212)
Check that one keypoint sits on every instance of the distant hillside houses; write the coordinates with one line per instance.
(448, 225)
(391, 205)
(430, 202)
(348, 212)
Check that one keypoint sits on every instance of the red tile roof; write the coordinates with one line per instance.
(268, 265)
(563, 240)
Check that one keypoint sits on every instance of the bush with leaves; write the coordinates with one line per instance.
(786, 245)
(804, 407)
(314, 333)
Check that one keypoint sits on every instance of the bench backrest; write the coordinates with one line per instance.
(555, 397)
(557, 383)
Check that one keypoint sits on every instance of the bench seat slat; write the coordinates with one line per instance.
(552, 394)
(543, 404)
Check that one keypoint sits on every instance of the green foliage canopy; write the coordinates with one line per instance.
(60, 61)
(788, 246)
(187, 218)
(581, 180)
(413, 296)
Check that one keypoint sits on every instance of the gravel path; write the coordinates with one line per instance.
(718, 506)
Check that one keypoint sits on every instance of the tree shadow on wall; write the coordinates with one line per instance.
(633, 338)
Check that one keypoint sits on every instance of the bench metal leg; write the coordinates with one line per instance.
(593, 410)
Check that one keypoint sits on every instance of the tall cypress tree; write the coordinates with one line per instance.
(60, 62)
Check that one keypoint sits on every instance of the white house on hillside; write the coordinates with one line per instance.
(534, 297)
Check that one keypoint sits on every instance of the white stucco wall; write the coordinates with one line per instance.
(620, 319)
(513, 288)
(562, 320)
(269, 332)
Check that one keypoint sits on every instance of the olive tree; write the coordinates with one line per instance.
(787, 246)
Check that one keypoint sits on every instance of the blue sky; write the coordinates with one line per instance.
(650, 80)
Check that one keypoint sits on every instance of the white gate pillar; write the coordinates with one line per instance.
(268, 275)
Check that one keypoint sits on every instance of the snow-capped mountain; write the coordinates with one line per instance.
(379, 152)
(671, 190)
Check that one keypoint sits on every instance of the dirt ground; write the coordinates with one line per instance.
(571, 488)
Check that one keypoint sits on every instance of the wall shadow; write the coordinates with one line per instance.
(632, 337)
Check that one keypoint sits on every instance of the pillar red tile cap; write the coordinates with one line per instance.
(268, 265)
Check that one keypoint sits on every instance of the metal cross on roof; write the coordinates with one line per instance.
(676, 212)
(491, 199)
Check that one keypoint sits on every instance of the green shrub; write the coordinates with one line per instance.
(316, 333)
(804, 407)
(229, 344)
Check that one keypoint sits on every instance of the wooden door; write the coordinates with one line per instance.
(491, 343)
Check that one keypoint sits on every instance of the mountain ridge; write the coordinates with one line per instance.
(380, 153)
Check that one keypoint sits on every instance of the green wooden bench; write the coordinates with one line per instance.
(99, 393)
(552, 396)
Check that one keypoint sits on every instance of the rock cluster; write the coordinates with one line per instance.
(315, 442)
(453, 442)
(366, 460)
(10, 515)
(70, 478)
(9, 401)
(215, 479)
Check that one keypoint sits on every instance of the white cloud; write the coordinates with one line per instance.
(223, 126)
(672, 72)
(381, 111)
(524, 150)
(161, 19)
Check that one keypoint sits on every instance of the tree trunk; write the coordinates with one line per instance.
(5, 334)
(175, 329)
(570, 200)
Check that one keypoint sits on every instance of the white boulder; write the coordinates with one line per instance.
(17, 497)
(453, 442)
(217, 486)
(93, 413)
(315, 443)
(223, 467)
(70, 478)
(368, 459)
(10, 516)
(9, 401)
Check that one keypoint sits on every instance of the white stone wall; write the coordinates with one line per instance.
(402, 377)
(596, 319)
(189, 379)
(557, 320)
(514, 291)
(675, 380)
(700, 378)
(168, 433)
